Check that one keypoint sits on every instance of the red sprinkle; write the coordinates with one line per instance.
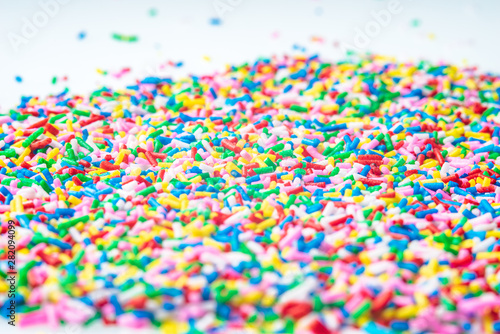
(108, 166)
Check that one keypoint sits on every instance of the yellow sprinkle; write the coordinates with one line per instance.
(53, 153)
(486, 256)
(23, 155)
(69, 124)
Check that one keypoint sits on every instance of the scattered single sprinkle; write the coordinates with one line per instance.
(121, 72)
(416, 23)
(317, 39)
(215, 21)
(299, 48)
(125, 38)
(153, 12)
(82, 35)
(19, 79)
(102, 72)
(286, 195)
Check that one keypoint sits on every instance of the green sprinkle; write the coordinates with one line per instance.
(298, 108)
(147, 191)
(32, 137)
(125, 38)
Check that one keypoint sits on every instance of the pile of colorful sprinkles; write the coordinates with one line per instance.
(290, 195)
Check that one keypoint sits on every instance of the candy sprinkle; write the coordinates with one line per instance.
(415, 23)
(290, 195)
(153, 12)
(125, 38)
(215, 21)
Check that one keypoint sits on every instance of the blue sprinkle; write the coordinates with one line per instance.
(333, 127)
(215, 21)
(366, 170)
(422, 214)
(434, 186)
(400, 325)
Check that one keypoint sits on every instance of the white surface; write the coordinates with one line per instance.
(464, 30)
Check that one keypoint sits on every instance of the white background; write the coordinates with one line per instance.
(463, 30)
(458, 31)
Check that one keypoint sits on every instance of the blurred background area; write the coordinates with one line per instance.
(48, 45)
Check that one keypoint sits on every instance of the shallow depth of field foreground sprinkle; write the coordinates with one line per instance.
(288, 195)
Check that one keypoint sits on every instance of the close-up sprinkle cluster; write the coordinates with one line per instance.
(289, 195)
